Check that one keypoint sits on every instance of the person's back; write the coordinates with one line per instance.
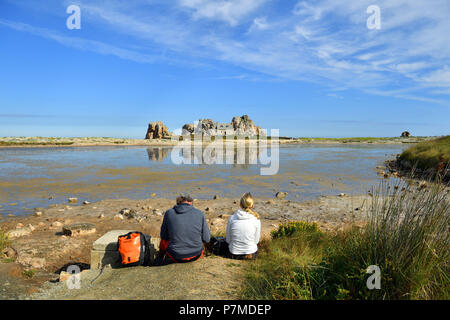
(184, 230)
(243, 230)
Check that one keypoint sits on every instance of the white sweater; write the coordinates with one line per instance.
(243, 231)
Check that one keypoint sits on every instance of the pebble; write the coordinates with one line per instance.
(56, 224)
(72, 200)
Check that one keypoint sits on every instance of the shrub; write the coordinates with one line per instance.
(290, 228)
(29, 273)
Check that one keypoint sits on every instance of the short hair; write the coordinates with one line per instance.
(184, 198)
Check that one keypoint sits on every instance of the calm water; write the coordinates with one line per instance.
(30, 176)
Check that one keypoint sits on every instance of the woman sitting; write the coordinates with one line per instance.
(243, 231)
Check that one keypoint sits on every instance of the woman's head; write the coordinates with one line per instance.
(247, 203)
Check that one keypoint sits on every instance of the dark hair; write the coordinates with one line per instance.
(184, 198)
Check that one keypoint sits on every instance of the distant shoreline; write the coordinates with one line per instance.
(29, 142)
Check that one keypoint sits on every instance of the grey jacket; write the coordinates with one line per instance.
(186, 229)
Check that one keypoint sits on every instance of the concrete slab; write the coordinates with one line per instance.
(105, 250)
(109, 240)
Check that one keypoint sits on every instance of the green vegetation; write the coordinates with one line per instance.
(4, 241)
(429, 154)
(26, 143)
(366, 140)
(29, 273)
(406, 236)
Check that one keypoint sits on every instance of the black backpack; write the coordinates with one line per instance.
(219, 246)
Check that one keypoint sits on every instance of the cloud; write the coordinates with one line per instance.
(323, 41)
(82, 44)
(259, 24)
(230, 11)
(440, 78)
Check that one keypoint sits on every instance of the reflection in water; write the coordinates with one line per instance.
(237, 156)
(157, 154)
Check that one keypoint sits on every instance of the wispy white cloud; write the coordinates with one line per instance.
(230, 11)
(259, 24)
(83, 44)
(322, 41)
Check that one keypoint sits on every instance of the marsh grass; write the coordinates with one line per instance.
(406, 236)
(428, 155)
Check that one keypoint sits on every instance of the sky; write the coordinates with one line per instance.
(308, 68)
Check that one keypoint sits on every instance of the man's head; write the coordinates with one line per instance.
(184, 199)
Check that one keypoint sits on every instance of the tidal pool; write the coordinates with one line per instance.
(38, 177)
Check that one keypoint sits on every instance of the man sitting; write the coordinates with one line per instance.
(183, 232)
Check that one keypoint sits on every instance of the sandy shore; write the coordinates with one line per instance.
(45, 250)
(21, 142)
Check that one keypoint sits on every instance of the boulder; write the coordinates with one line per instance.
(20, 232)
(281, 195)
(78, 229)
(9, 252)
(188, 129)
(157, 130)
(244, 126)
(56, 225)
(72, 200)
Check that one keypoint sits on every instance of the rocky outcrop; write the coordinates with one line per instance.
(157, 130)
(405, 134)
(245, 126)
(240, 126)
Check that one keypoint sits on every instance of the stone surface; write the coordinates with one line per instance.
(78, 229)
(33, 262)
(20, 232)
(9, 252)
(72, 200)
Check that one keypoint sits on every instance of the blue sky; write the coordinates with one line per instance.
(308, 68)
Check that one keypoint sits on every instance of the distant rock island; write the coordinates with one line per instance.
(239, 126)
(157, 130)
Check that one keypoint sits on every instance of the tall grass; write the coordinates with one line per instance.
(406, 236)
(4, 241)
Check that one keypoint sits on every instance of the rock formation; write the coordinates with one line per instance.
(244, 126)
(240, 126)
(405, 134)
(157, 130)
